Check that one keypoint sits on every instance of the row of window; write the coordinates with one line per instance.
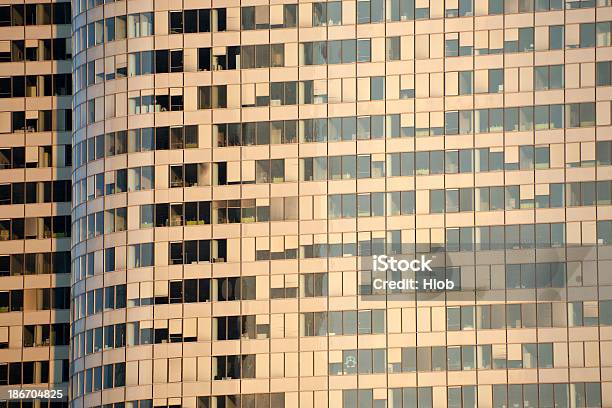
(376, 242)
(36, 85)
(217, 212)
(343, 323)
(482, 317)
(97, 378)
(579, 394)
(484, 238)
(543, 77)
(232, 288)
(146, 103)
(524, 236)
(35, 263)
(34, 372)
(561, 395)
(515, 276)
(35, 228)
(352, 128)
(51, 120)
(306, 130)
(197, 21)
(103, 222)
(487, 238)
(529, 315)
(113, 182)
(99, 300)
(114, 258)
(180, 176)
(512, 276)
(98, 70)
(99, 223)
(164, 331)
(423, 163)
(438, 162)
(111, 259)
(113, 29)
(165, 61)
(113, 375)
(343, 51)
(16, 15)
(266, 17)
(285, 326)
(311, 285)
(48, 49)
(497, 198)
(271, 400)
(135, 140)
(142, 24)
(153, 62)
(43, 335)
(350, 167)
(370, 204)
(58, 191)
(234, 367)
(444, 358)
(18, 300)
(181, 291)
(325, 13)
(557, 37)
(20, 157)
(245, 327)
(511, 119)
(195, 251)
(313, 169)
(130, 334)
(134, 404)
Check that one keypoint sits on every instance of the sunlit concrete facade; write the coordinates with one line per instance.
(235, 165)
(35, 162)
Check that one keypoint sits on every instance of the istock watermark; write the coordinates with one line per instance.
(413, 284)
(501, 273)
(383, 263)
(391, 275)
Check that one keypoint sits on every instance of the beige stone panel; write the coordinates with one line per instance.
(342, 382)
(584, 374)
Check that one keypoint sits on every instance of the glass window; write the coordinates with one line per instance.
(451, 123)
(377, 88)
(465, 82)
(526, 39)
(603, 74)
(556, 38)
(496, 7)
(587, 35)
(394, 49)
(451, 48)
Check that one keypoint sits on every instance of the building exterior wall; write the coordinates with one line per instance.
(35, 189)
(232, 161)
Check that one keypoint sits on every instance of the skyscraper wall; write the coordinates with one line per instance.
(236, 165)
(35, 193)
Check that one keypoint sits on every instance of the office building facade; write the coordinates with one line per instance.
(35, 189)
(235, 166)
